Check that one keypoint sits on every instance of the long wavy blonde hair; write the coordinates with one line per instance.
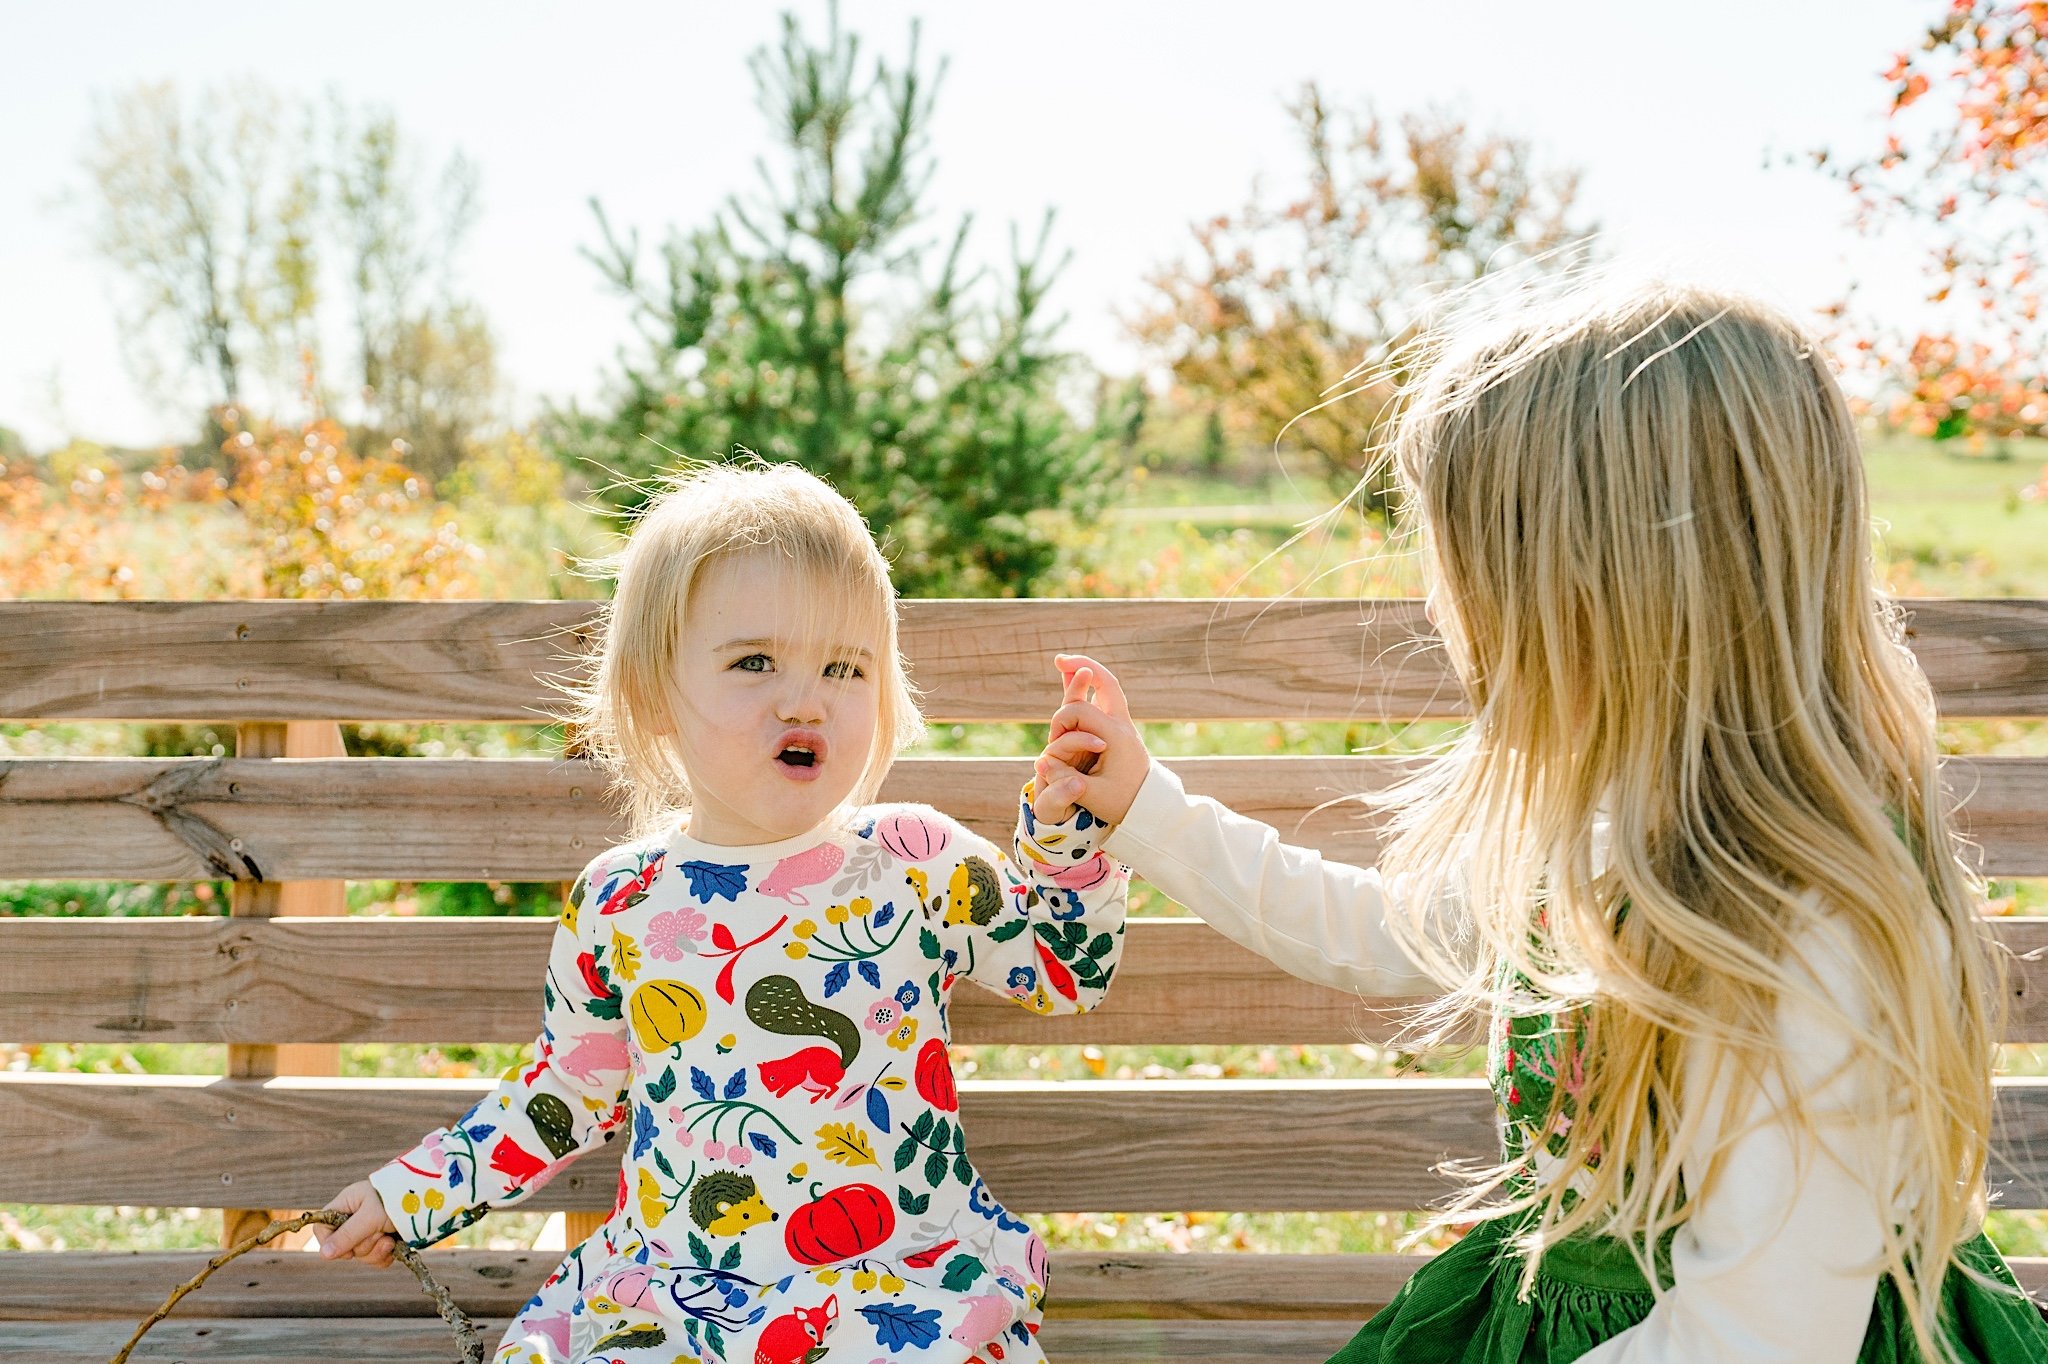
(619, 712)
(1644, 520)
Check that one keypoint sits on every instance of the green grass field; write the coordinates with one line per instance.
(1947, 525)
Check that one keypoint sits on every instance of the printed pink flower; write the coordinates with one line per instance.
(669, 931)
(883, 1015)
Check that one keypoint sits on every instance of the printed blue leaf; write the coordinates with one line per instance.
(898, 1325)
(454, 1173)
(737, 1084)
(763, 1143)
(886, 915)
(701, 1082)
(878, 1109)
(643, 1130)
(480, 1131)
(871, 973)
(709, 881)
(836, 978)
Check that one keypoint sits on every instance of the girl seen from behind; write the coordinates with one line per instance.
(1693, 857)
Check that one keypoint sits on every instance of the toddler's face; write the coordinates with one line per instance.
(775, 699)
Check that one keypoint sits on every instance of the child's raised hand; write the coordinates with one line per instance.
(1094, 755)
(367, 1235)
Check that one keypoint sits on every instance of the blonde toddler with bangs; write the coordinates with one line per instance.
(750, 996)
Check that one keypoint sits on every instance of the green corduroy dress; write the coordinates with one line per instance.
(1465, 1305)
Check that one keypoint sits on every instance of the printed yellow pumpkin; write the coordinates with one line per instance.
(666, 1014)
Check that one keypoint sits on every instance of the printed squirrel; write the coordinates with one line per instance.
(777, 1004)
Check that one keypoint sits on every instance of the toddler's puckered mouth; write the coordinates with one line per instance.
(801, 754)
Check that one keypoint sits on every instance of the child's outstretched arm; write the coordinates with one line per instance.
(569, 1098)
(1321, 920)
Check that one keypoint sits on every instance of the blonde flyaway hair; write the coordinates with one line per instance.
(619, 712)
(1644, 518)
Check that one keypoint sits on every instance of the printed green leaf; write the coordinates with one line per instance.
(961, 1272)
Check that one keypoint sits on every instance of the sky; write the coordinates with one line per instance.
(1131, 118)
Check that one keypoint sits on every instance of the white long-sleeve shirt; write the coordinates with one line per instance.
(1776, 1264)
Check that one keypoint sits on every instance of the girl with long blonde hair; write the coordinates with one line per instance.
(1693, 858)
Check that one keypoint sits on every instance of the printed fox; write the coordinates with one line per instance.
(797, 1338)
(777, 1004)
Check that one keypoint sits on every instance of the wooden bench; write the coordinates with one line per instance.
(260, 981)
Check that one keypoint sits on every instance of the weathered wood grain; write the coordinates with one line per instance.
(429, 819)
(1218, 1286)
(321, 1340)
(1123, 1145)
(977, 660)
(387, 980)
(1130, 1146)
(496, 1283)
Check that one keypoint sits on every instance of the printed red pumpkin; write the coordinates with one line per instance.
(912, 839)
(844, 1224)
(935, 1077)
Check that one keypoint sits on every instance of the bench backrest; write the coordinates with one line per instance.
(254, 981)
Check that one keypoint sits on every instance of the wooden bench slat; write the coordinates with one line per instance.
(224, 980)
(429, 819)
(496, 1283)
(1205, 1285)
(320, 1340)
(1130, 1146)
(1123, 1145)
(384, 980)
(1238, 659)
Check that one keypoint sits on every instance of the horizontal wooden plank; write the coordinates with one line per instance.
(1118, 1145)
(321, 1340)
(974, 660)
(380, 980)
(1289, 658)
(1105, 1145)
(496, 1283)
(430, 819)
(1086, 1285)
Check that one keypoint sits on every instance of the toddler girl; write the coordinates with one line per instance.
(1693, 856)
(751, 996)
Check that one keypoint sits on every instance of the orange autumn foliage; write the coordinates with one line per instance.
(298, 514)
(1967, 165)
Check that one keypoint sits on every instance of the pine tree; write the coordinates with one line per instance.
(817, 324)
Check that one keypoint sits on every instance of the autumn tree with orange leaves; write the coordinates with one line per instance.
(1967, 162)
(1270, 328)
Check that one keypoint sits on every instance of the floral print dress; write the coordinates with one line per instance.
(765, 1030)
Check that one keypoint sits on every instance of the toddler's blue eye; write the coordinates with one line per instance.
(755, 663)
(843, 670)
